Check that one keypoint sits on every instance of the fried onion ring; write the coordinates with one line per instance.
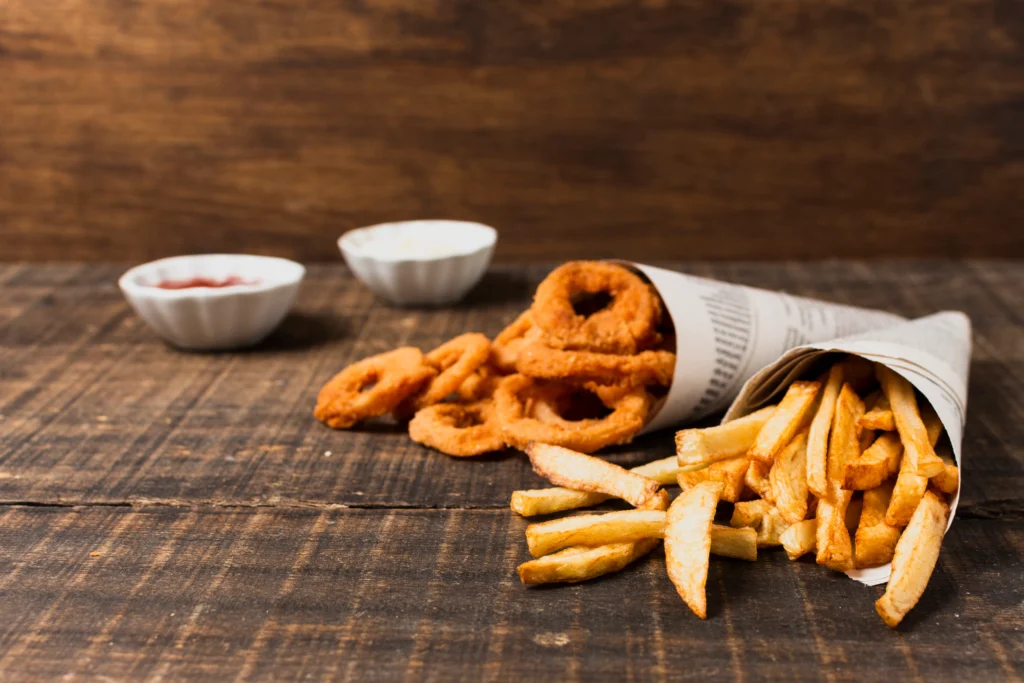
(536, 359)
(349, 396)
(459, 429)
(454, 361)
(626, 324)
(506, 345)
(514, 400)
(481, 384)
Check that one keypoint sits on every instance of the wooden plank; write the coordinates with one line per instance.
(685, 129)
(95, 409)
(207, 595)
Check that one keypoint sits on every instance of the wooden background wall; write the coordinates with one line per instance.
(713, 129)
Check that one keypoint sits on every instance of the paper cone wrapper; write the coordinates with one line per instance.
(932, 353)
(726, 332)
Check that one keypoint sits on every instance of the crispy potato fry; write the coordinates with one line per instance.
(909, 485)
(784, 422)
(594, 530)
(762, 516)
(533, 502)
(773, 525)
(914, 560)
(799, 539)
(832, 540)
(749, 513)
(833, 543)
(629, 525)
(875, 540)
(867, 437)
(688, 543)
(729, 472)
(844, 442)
(586, 473)
(663, 471)
(788, 479)
(817, 436)
(698, 447)
(947, 481)
(879, 462)
(579, 564)
(879, 418)
(737, 543)
(916, 444)
(757, 479)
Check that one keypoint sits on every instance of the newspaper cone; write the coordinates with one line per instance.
(932, 353)
(726, 332)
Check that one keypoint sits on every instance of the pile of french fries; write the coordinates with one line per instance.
(849, 466)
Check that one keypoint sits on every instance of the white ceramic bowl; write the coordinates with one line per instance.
(214, 317)
(429, 262)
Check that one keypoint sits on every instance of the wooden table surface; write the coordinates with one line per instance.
(169, 515)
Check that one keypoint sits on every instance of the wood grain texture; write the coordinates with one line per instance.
(95, 409)
(380, 595)
(660, 129)
(174, 516)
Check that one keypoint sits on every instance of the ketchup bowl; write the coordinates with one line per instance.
(213, 301)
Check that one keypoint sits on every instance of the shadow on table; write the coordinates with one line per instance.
(300, 331)
(499, 287)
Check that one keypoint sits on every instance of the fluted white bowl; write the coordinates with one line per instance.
(428, 262)
(214, 317)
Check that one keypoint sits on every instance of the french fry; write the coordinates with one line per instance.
(581, 472)
(788, 479)
(799, 539)
(833, 543)
(916, 444)
(749, 513)
(947, 481)
(867, 437)
(879, 417)
(629, 525)
(761, 516)
(533, 502)
(879, 462)
(875, 540)
(663, 471)
(594, 530)
(817, 436)
(910, 486)
(784, 422)
(730, 473)
(698, 447)
(757, 479)
(580, 563)
(688, 543)
(740, 544)
(914, 560)
(773, 525)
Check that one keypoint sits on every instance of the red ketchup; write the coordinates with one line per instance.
(229, 281)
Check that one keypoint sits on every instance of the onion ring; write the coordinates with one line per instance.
(396, 375)
(506, 345)
(459, 429)
(514, 399)
(626, 324)
(454, 361)
(480, 385)
(536, 359)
